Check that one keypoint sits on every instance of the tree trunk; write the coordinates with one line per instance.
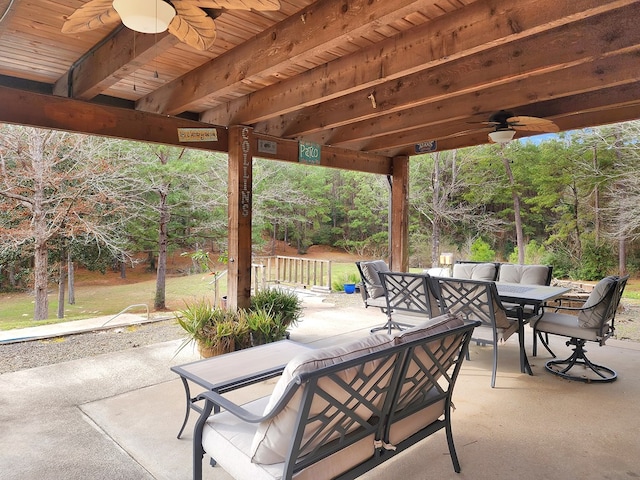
(516, 209)
(71, 276)
(123, 270)
(435, 224)
(41, 311)
(61, 281)
(160, 299)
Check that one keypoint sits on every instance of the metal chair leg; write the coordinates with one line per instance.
(578, 357)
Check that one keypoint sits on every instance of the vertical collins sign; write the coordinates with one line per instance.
(245, 191)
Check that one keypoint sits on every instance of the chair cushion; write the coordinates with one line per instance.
(229, 439)
(433, 326)
(475, 271)
(528, 274)
(370, 272)
(593, 317)
(273, 437)
(565, 325)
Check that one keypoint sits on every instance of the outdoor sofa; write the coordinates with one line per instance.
(340, 411)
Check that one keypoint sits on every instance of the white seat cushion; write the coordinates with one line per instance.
(527, 274)
(370, 272)
(565, 325)
(228, 440)
(595, 316)
(475, 271)
(273, 437)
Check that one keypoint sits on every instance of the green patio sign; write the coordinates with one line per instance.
(309, 153)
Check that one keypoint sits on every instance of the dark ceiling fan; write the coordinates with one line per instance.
(505, 124)
(191, 21)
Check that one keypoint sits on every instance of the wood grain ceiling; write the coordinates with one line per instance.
(370, 76)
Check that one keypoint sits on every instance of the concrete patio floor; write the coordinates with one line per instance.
(116, 416)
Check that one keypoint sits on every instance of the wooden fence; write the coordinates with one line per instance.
(299, 272)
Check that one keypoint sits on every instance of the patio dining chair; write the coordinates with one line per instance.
(479, 300)
(370, 285)
(593, 322)
(409, 298)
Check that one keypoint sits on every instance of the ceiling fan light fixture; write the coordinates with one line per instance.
(145, 16)
(503, 135)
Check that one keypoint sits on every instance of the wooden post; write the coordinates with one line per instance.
(400, 215)
(242, 146)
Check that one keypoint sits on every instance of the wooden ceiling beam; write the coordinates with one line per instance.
(566, 46)
(331, 157)
(59, 113)
(472, 29)
(609, 71)
(318, 28)
(570, 122)
(603, 102)
(109, 62)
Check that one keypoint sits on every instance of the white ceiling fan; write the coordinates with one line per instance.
(191, 21)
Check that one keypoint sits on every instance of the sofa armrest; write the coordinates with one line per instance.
(214, 399)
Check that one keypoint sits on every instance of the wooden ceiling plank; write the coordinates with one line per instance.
(609, 71)
(566, 46)
(478, 27)
(320, 26)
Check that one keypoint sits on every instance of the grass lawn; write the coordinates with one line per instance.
(102, 295)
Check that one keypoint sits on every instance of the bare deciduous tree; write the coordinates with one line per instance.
(54, 185)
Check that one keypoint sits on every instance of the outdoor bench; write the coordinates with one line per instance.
(340, 411)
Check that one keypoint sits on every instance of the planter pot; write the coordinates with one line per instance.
(349, 288)
(206, 352)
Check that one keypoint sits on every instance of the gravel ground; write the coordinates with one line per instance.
(19, 356)
(36, 353)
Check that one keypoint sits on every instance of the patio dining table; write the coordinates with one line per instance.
(524, 294)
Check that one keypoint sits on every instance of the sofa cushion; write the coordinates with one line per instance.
(593, 317)
(475, 271)
(527, 274)
(433, 326)
(370, 272)
(229, 439)
(273, 437)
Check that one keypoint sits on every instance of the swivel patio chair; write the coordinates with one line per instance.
(479, 300)
(409, 298)
(370, 285)
(593, 322)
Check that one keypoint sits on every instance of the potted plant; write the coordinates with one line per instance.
(264, 326)
(212, 329)
(284, 305)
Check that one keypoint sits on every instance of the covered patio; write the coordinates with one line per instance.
(357, 84)
(117, 415)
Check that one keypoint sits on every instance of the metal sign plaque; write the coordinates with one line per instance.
(426, 147)
(309, 153)
(267, 146)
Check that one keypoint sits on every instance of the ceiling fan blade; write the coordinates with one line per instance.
(533, 124)
(192, 26)
(93, 14)
(260, 5)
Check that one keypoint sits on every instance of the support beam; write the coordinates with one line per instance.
(111, 61)
(46, 111)
(242, 147)
(400, 215)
